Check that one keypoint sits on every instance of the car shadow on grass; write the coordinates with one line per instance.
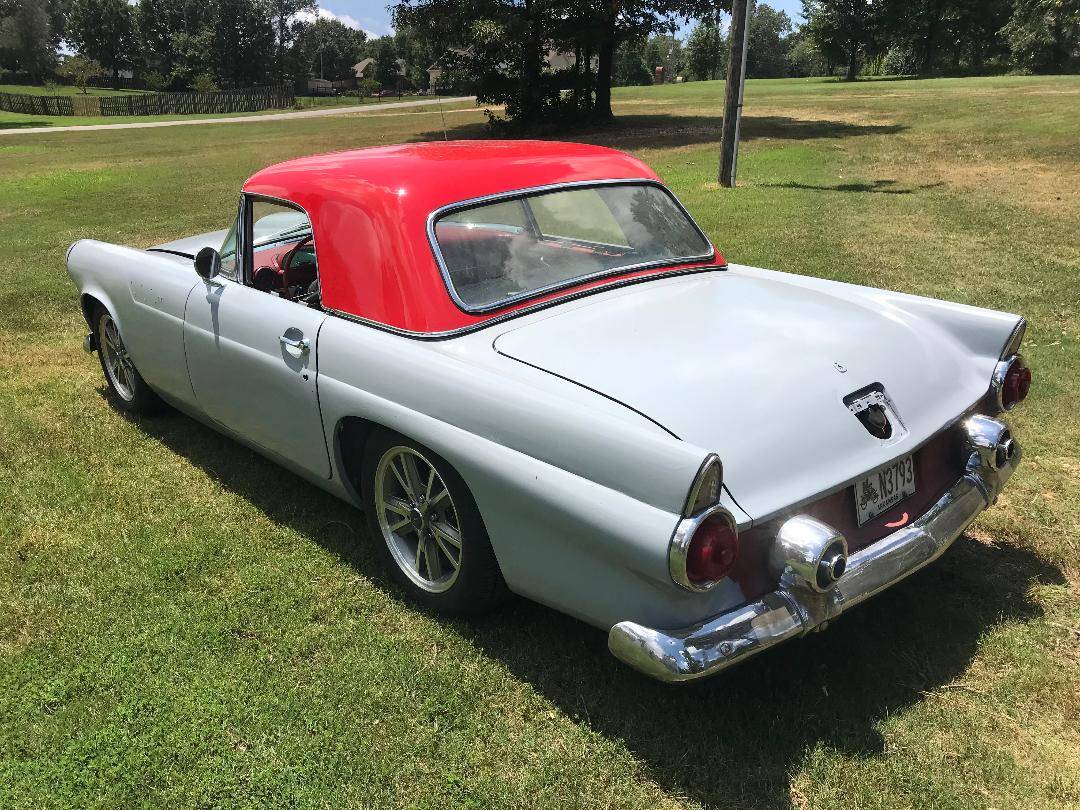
(736, 739)
(636, 131)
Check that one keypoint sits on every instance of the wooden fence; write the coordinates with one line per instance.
(251, 99)
(227, 101)
(36, 105)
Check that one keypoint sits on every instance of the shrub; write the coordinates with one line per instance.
(204, 83)
(154, 80)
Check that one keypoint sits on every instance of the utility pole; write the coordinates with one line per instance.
(733, 91)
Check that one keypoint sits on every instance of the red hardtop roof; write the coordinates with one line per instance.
(369, 210)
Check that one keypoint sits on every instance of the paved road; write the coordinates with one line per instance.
(244, 119)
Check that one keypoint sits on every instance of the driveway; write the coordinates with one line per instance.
(244, 119)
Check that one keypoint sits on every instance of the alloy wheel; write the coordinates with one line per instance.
(418, 519)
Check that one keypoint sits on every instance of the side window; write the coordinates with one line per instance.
(282, 253)
(229, 264)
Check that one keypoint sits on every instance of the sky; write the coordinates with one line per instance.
(371, 15)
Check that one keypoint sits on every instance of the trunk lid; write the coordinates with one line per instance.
(756, 370)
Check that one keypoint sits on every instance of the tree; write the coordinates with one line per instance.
(79, 70)
(282, 15)
(845, 31)
(630, 67)
(417, 53)
(386, 65)
(103, 30)
(803, 57)
(1043, 34)
(705, 49)
(326, 48)
(243, 43)
(766, 56)
(26, 38)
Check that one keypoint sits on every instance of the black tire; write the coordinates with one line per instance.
(126, 388)
(478, 585)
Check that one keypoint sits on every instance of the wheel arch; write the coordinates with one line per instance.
(351, 435)
(88, 302)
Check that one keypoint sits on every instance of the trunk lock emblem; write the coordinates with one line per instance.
(876, 412)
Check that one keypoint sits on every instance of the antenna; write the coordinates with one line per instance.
(442, 115)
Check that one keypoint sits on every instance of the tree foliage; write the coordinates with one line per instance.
(28, 36)
(707, 50)
(386, 65)
(79, 71)
(326, 48)
(1044, 35)
(767, 52)
(103, 30)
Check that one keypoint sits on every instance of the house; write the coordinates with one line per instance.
(365, 68)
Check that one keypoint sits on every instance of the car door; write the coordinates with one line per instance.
(252, 353)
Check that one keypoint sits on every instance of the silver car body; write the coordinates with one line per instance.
(581, 427)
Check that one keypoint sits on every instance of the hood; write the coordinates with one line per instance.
(190, 245)
(756, 369)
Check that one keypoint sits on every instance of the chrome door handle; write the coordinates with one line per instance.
(301, 345)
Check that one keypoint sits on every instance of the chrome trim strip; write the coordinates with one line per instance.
(997, 382)
(547, 189)
(1012, 345)
(699, 479)
(791, 610)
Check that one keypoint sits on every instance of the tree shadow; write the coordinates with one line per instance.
(731, 741)
(683, 130)
(873, 187)
(24, 124)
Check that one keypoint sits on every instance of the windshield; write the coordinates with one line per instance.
(273, 223)
(508, 249)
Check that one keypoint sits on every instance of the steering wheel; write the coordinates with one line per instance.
(287, 259)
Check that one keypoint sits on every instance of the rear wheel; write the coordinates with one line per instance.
(127, 389)
(427, 527)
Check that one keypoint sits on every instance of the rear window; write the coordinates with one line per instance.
(498, 252)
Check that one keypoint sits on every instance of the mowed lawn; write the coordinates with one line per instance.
(182, 623)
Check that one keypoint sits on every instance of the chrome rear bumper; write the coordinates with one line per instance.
(795, 608)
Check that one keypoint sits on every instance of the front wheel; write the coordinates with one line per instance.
(427, 527)
(127, 389)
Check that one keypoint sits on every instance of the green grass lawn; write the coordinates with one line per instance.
(62, 90)
(183, 623)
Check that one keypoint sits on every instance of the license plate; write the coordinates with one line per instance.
(882, 490)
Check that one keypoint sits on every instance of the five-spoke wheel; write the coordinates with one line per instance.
(425, 522)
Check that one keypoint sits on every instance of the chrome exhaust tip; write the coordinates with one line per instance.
(808, 553)
(1004, 451)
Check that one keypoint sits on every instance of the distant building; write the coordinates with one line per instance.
(365, 68)
(362, 67)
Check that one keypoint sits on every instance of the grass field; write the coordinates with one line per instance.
(62, 90)
(181, 623)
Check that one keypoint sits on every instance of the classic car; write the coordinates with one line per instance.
(534, 373)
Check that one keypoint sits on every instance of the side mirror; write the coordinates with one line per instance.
(208, 263)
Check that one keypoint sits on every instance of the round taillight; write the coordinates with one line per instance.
(713, 550)
(1015, 385)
